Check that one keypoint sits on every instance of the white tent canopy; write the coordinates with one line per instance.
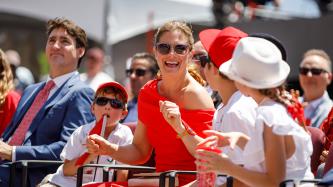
(126, 19)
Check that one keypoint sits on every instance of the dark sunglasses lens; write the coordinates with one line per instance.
(102, 101)
(163, 48)
(180, 49)
(115, 103)
(204, 60)
(316, 71)
(140, 72)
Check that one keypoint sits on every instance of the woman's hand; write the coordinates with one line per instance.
(212, 161)
(230, 139)
(98, 145)
(171, 114)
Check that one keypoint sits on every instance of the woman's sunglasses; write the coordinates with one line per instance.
(138, 72)
(165, 49)
(314, 71)
(203, 59)
(115, 103)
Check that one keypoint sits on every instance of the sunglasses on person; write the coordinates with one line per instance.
(165, 48)
(202, 58)
(314, 71)
(138, 72)
(115, 103)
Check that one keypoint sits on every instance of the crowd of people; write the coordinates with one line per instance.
(227, 89)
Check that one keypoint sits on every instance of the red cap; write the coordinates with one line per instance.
(220, 44)
(116, 85)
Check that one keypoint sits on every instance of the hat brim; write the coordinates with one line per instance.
(226, 69)
(116, 85)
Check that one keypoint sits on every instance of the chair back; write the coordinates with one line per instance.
(318, 140)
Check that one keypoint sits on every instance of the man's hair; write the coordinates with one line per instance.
(150, 58)
(321, 53)
(72, 29)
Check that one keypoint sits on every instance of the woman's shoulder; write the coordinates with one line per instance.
(197, 97)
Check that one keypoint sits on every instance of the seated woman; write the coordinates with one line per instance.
(174, 148)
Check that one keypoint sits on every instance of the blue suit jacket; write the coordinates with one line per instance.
(321, 111)
(67, 109)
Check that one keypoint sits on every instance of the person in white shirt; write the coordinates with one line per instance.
(315, 74)
(94, 75)
(278, 148)
(110, 100)
(236, 113)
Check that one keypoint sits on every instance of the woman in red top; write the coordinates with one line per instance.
(8, 98)
(174, 146)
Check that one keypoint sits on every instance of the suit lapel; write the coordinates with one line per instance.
(58, 95)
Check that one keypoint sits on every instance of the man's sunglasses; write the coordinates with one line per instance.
(115, 103)
(203, 59)
(165, 49)
(314, 71)
(138, 72)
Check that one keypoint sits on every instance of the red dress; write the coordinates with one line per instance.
(171, 153)
(8, 109)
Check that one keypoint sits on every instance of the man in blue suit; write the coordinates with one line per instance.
(315, 74)
(67, 105)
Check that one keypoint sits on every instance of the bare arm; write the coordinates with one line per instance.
(136, 153)
(122, 175)
(171, 114)
(70, 169)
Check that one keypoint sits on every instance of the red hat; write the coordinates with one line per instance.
(220, 44)
(116, 85)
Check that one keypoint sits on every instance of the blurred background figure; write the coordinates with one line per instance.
(143, 68)
(94, 75)
(200, 56)
(315, 74)
(8, 97)
(22, 75)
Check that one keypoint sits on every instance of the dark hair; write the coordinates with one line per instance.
(274, 40)
(73, 30)
(150, 58)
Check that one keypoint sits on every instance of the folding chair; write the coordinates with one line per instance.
(171, 175)
(295, 183)
(24, 165)
(107, 168)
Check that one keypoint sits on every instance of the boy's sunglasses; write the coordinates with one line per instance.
(165, 49)
(138, 72)
(314, 71)
(203, 59)
(115, 103)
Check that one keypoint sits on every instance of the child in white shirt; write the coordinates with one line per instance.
(110, 100)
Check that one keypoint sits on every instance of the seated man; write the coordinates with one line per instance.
(50, 111)
(110, 100)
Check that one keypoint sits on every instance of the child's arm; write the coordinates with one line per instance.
(70, 168)
(122, 175)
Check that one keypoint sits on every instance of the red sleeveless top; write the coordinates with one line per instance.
(171, 153)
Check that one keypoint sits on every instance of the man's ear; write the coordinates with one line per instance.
(329, 78)
(81, 51)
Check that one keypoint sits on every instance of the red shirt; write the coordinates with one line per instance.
(171, 153)
(7, 109)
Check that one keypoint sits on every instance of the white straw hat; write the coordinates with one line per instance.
(256, 63)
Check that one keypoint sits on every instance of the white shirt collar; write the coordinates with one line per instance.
(62, 79)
